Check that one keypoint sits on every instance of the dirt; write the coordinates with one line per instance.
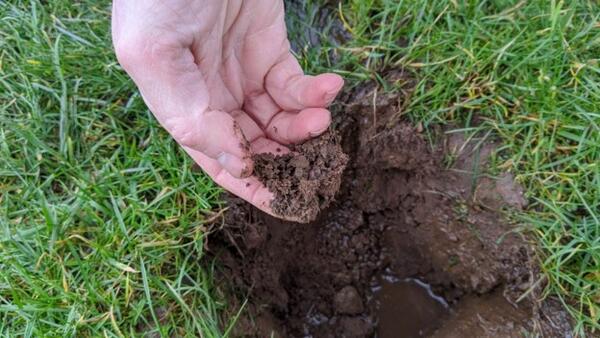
(305, 180)
(408, 306)
(414, 243)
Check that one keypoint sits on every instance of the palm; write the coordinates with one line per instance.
(250, 77)
(211, 67)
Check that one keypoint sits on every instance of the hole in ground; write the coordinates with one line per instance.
(408, 307)
(400, 209)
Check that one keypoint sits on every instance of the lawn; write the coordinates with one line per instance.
(102, 220)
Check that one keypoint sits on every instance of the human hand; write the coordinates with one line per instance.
(220, 78)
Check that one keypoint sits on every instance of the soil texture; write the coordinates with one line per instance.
(305, 180)
(408, 306)
(424, 215)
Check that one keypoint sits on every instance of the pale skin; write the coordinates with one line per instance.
(220, 78)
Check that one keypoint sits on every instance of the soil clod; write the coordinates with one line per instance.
(347, 301)
(304, 181)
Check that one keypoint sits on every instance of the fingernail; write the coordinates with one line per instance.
(236, 166)
(316, 133)
(330, 96)
(331, 93)
(223, 159)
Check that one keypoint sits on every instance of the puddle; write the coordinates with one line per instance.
(407, 308)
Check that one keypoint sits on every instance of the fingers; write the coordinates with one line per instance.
(262, 107)
(265, 145)
(287, 128)
(249, 127)
(292, 90)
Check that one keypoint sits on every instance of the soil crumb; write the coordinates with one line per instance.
(402, 209)
(306, 180)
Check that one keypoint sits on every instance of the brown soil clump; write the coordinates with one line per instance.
(403, 210)
(304, 181)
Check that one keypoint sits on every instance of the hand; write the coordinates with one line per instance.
(220, 78)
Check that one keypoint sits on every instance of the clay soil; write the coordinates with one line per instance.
(406, 212)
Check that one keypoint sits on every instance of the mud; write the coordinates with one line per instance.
(305, 180)
(407, 306)
(407, 209)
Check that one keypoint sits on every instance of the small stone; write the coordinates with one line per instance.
(356, 327)
(254, 237)
(348, 301)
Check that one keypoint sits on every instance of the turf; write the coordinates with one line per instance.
(101, 219)
(102, 222)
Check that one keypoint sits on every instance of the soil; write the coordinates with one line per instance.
(414, 243)
(304, 181)
(418, 314)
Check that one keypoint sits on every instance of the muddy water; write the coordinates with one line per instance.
(407, 308)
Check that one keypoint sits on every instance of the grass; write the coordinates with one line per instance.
(102, 220)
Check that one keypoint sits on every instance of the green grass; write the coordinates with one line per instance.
(102, 221)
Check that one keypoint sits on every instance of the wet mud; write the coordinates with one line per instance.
(408, 306)
(413, 245)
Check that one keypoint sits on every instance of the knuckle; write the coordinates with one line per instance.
(221, 177)
(185, 133)
(138, 50)
(130, 51)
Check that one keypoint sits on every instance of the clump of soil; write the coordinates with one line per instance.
(305, 180)
(403, 210)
